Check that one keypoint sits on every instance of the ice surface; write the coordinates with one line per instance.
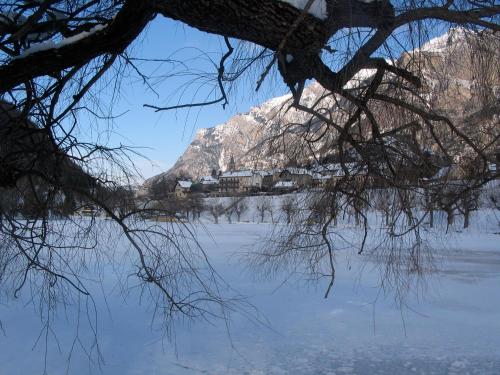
(454, 329)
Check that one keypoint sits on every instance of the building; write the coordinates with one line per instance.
(494, 164)
(232, 165)
(209, 184)
(321, 180)
(245, 181)
(238, 181)
(266, 182)
(493, 170)
(284, 186)
(301, 177)
(182, 188)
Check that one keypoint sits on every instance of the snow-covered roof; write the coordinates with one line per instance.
(337, 169)
(319, 176)
(324, 167)
(237, 174)
(264, 173)
(208, 180)
(184, 184)
(299, 171)
(284, 184)
(276, 170)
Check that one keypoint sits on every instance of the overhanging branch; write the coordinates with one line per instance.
(125, 27)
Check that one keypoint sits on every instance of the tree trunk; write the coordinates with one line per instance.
(466, 218)
(449, 213)
(267, 23)
(409, 218)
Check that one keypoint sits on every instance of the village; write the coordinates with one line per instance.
(247, 182)
(275, 181)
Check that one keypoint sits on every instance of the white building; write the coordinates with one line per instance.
(240, 181)
(182, 188)
(209, 183)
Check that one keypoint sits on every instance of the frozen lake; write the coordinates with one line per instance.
(451, 328)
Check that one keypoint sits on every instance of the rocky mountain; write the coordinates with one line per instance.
(452, 85)
(241, 136)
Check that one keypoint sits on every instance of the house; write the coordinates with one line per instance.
(182, 188)
(494, 164)
(229, 182)
(321, 180)
(300, 176)
(239, 181)
(88, 210)
(256, 181)
(284, 186)
(209, 184)
(493, 170)
(266, 182)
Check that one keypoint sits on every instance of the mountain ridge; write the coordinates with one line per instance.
(244, 135)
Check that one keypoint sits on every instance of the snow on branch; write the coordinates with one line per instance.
(63, 43)
(317, 8)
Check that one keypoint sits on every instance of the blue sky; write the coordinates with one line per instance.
(162, 137)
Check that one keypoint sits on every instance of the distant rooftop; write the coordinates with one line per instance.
(237, 174)
(284, 184)
(185, 184)
(299, 171)
(209, 180)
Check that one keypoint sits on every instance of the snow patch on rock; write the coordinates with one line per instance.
(442, 42)
(360, 78)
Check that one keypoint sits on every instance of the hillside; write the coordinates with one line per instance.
(452, 86)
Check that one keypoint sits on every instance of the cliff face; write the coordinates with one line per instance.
(454, 85)
(243, 136)
(458, 79)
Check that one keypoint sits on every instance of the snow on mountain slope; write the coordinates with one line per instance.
(450, 86)
(241, 137)
(454, 37)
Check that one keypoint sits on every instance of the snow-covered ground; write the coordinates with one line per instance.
(453, 327)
